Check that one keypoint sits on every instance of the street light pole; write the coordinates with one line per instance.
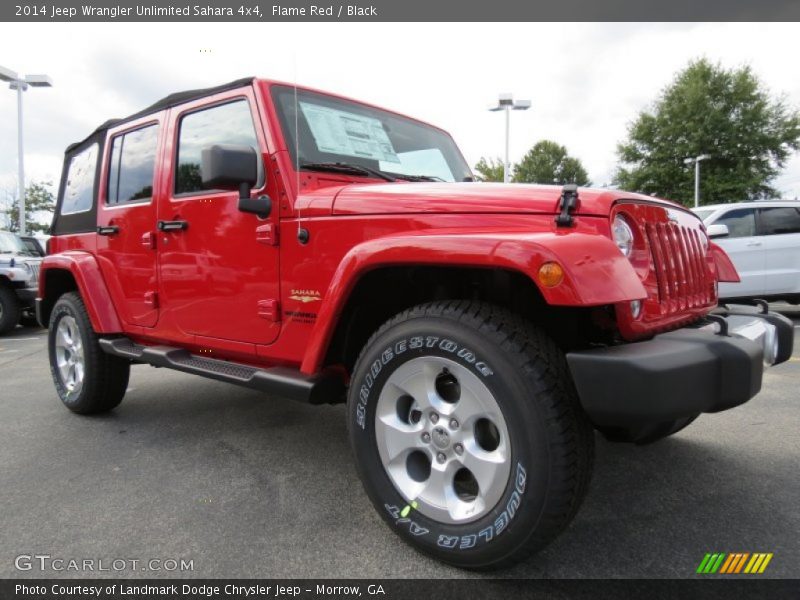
(20, 160)
(506, 103)
(20, 84)
(696, 160)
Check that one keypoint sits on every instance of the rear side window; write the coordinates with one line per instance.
(229, 123)
(775, 221)
(741, 222)
(79, 188)
(132, 165)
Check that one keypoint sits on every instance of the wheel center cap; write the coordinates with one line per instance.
(441, 439)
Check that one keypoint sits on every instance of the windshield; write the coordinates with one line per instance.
(11, 244)
(336, 132)
(703, 214)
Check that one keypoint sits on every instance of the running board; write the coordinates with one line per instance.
(281, 381)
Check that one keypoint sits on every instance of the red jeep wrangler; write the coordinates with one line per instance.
(326, 250)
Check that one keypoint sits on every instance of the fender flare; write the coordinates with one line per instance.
(595, 272)
(92, 287)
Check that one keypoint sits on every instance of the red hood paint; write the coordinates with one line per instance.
(418, 198)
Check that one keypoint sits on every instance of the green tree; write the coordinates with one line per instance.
(39, 206)
(549, 162)
(727, 114)
(490, 170)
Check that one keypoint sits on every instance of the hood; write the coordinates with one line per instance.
(415, 198)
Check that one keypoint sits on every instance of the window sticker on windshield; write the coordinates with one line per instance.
(349, 134)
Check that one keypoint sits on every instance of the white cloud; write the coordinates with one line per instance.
(586, 81)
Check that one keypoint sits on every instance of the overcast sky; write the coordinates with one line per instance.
(586, 81)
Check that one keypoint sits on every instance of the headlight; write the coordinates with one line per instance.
(623, 235)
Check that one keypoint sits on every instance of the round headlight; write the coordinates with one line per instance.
(623, 235)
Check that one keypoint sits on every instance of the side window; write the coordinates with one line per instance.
(741, 222)
(775, 221)
(79, 189)
(132, 165)
(229, 123)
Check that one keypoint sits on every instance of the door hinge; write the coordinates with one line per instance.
(267, 234)
(269, 310)
(151, 299)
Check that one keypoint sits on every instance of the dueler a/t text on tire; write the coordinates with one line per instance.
(467, 433)
(87, 379)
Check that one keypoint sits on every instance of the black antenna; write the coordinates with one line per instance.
(302, 234)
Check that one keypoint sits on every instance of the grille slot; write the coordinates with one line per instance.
(681, 273)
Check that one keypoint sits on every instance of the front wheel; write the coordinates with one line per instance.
(468, 434)
(87, 379)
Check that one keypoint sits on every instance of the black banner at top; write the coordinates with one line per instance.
(398, 10)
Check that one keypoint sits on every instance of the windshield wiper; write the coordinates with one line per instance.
(343, 167)
(405, 177)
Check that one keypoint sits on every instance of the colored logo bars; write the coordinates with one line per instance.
(734, 562)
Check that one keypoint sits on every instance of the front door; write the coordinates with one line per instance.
(218, 266)
(745, 249)
(126, 215)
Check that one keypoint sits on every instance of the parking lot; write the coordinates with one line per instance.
(244, 485)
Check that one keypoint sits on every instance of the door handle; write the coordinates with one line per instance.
(172, 225)
(753, 244)
(108, 230)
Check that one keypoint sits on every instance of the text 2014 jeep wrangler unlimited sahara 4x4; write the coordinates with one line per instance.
(323, 249)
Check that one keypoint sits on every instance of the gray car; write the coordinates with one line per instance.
(19, 282)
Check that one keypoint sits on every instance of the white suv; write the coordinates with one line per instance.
(763, 240)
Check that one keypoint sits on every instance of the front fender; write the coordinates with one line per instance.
(92, 287)
(595, 272)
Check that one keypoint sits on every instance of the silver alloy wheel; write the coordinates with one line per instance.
(443, 440)
(69, 354)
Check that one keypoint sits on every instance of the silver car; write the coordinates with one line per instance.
(762, 239)
(19, 282)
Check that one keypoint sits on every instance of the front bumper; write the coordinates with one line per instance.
(682, 373)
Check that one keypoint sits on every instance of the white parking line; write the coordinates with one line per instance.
(22, 339)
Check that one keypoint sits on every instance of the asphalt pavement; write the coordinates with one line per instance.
(243, 485)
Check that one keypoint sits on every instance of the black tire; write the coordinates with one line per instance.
(551, 440)
(648, 434)
(9, 309)
(105, 377)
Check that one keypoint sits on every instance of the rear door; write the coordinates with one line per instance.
(780, 235)
(126, 216)
(746, 250)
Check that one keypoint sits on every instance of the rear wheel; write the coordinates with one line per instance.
(87, 379)
(467, 432)
(9, 309)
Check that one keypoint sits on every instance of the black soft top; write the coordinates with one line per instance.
(167, 102)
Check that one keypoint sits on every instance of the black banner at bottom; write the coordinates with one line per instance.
(390, 589)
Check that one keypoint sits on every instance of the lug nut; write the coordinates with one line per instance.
(453, 424)
(458, 448)
(426, 437)
(434, 418)
(441, 457)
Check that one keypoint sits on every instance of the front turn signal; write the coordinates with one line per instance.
(551, 274)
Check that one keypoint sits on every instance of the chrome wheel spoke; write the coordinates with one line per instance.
(398, 437)
(486, 467)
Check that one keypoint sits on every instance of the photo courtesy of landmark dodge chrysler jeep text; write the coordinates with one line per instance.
(326, 250)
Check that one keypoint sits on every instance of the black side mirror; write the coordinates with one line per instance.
(224, 166)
